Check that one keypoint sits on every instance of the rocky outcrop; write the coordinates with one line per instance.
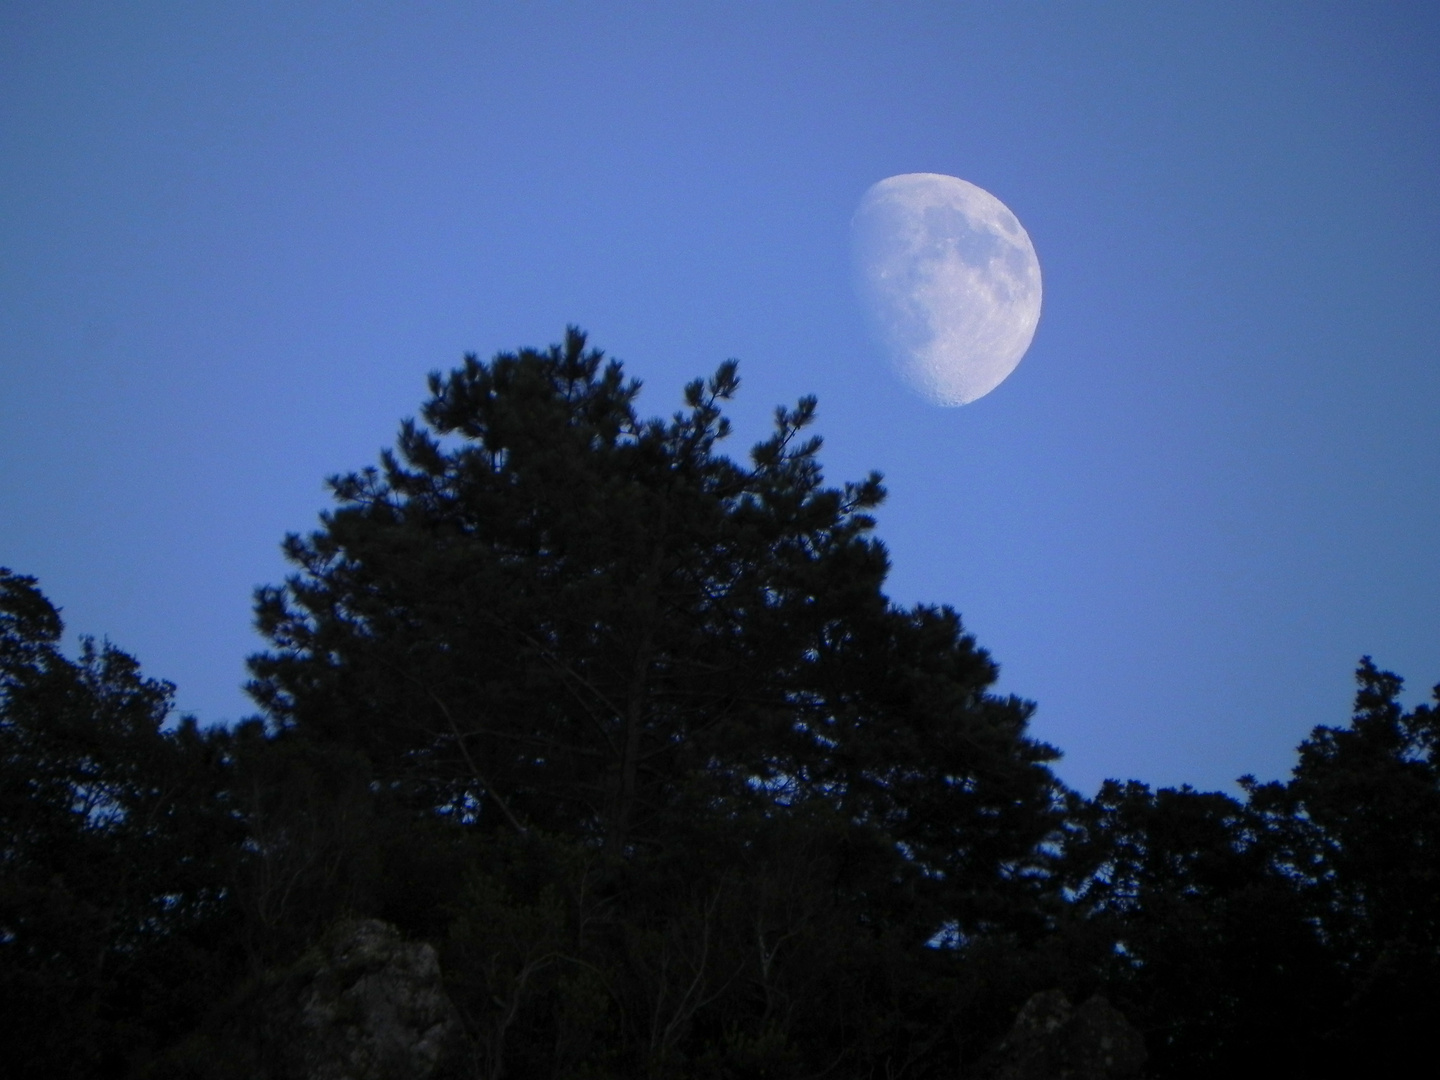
(368, 1005)
(1051, 1040)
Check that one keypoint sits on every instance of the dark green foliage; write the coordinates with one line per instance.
(313, 845)
(1358, 828)
(1193, 929)
(1295, 931)
(113, 906)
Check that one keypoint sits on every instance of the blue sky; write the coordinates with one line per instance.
(234, 238)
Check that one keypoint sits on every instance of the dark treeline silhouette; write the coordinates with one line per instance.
(630, 733)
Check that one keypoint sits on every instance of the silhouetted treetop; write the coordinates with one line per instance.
(542, 610)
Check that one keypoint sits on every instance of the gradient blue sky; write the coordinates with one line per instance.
(234, 238)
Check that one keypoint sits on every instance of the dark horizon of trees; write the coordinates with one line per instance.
(632, 734)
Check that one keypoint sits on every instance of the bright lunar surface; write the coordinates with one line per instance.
(950, 283)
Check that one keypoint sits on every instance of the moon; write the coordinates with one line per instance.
(949, 281)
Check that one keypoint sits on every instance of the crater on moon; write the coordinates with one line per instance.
(949, 281)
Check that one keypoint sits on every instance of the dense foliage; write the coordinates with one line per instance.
(113, 877)
(632, 734)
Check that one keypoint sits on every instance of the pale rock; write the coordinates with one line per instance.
(1051, 1040)
(371, 1007)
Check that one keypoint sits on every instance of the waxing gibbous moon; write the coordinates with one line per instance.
(949, 281)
